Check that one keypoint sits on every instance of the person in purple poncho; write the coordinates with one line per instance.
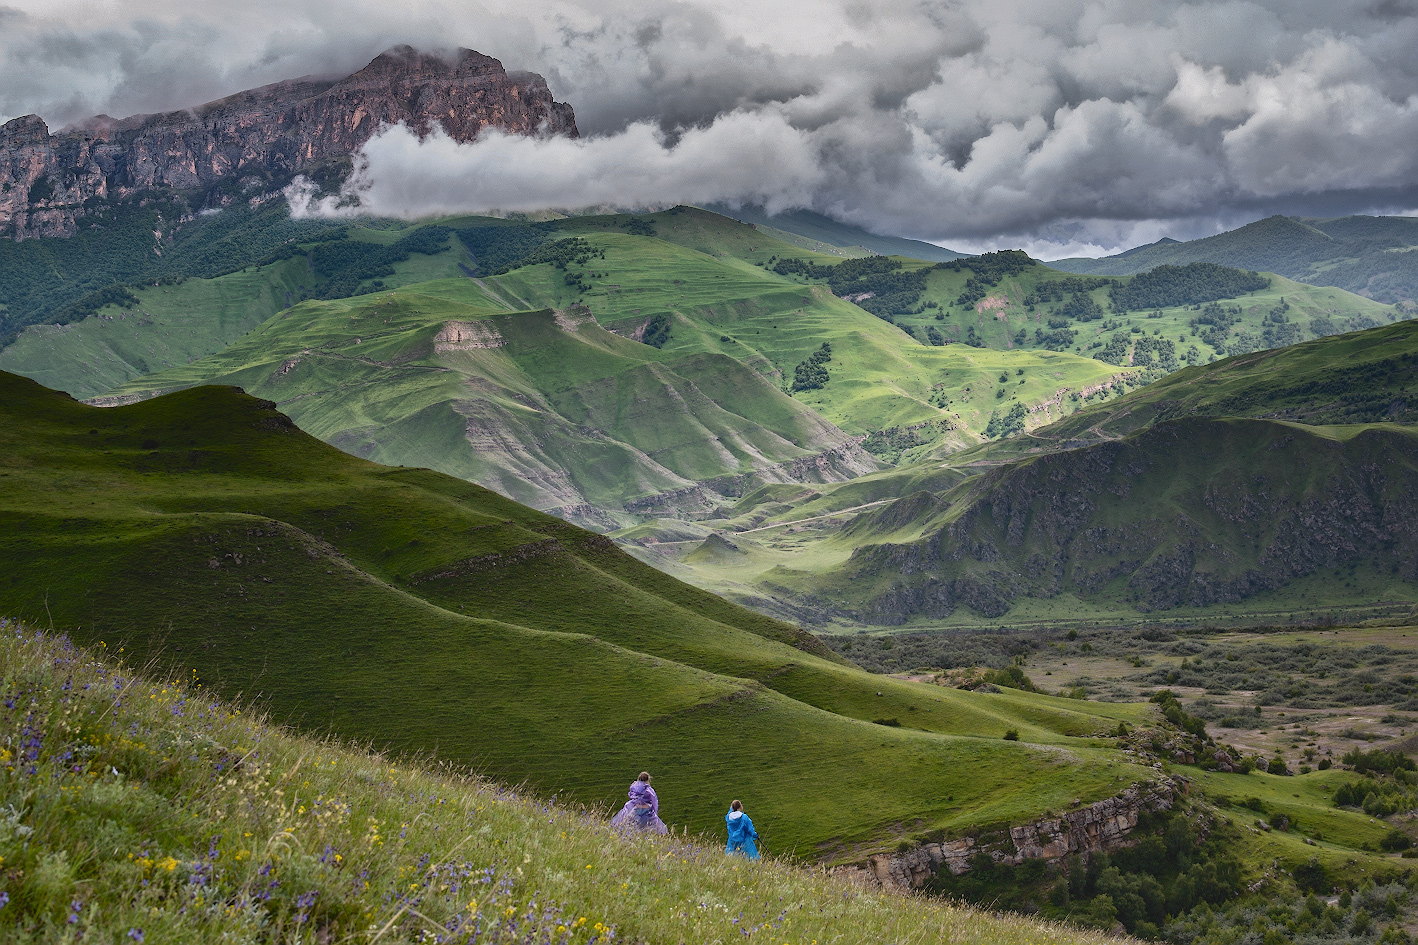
(742, 836)
(642, 810)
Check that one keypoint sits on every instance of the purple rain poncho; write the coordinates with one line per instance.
(641, 811)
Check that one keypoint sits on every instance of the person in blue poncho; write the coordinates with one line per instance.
(741, 832)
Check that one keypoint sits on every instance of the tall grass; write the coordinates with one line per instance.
(133, 810)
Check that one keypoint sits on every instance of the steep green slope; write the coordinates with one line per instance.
(204, 531)
(701, 273)
(236, 830)
(545, 407)
(1373, 256)
(1146, 321)
(134, 243)
(1188, 514)
(1362, 377)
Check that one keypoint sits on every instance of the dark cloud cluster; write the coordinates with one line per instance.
(1060, 125)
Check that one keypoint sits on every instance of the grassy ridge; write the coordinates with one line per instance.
(1188, 514)
(421, 612)
(1360, 377)
(144, 809)
(1368, 255)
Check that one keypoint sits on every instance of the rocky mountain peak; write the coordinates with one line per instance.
(267, 134)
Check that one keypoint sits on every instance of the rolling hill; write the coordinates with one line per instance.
(1376, 257)
(202, 531)
(1162, 502)
(537, 381)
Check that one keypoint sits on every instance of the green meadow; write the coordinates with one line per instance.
(187, 819)
(203, 532)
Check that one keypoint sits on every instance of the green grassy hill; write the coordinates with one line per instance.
(1035, 307)
(150, 811)
(139, 242)
(912, 542)
(548, 408)
(1373, 256)
(220, 293)
(203, 531)
(1361, 377)
(567, 409)
(1189, 515)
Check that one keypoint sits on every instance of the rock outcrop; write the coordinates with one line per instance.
(1096, 828)
(262, 136)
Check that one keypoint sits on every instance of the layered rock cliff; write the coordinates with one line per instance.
(1095, 828)
(260, 136)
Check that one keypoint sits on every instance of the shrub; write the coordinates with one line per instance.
(1312, 877)
(1011, 735)
(1379, 759)
(1395, 840)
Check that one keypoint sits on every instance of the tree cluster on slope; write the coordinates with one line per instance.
(1171, 286)
(811, 373)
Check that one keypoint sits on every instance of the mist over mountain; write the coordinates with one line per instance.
(1041, 125)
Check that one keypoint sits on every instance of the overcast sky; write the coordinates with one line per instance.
(1054, 125)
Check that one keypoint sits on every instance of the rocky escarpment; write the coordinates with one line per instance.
(260, 136)
(1095, 828)
(1188, 513)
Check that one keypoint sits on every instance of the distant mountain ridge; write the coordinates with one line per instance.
(253, 136)
(1376, 257)
(817, 228)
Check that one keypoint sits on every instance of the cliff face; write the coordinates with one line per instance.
(274, 131)
(1188, 513)
(1096, 828)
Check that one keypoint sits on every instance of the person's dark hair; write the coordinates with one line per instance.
(736, 805)
(644, 776)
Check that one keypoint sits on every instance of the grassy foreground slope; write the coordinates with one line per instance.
(422, 612)
(143, 809)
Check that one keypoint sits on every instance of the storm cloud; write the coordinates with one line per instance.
(1057, 125)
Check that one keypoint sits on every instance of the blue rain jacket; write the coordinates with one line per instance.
(741, 835)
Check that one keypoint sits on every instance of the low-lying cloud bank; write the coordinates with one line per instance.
(741, 158)
(1060, 125)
